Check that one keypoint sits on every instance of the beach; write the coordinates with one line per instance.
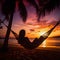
(18, 52)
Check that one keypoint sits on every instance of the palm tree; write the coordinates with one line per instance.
(8, 8)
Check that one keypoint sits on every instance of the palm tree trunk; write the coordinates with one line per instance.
(5, 45)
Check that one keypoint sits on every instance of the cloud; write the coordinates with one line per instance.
(51, 21)
(16, 25)
(31, 29)
(29, 23)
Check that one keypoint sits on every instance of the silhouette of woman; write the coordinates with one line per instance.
(24, 41)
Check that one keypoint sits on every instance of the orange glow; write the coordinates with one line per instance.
(43, 31)
(38, 32)
(44, 44)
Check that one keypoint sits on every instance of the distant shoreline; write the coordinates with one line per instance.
(31, 38)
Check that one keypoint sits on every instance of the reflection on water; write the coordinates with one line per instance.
(50, 42)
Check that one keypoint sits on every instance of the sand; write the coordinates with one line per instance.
(19, 53)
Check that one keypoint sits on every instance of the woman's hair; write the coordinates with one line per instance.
(22, 33)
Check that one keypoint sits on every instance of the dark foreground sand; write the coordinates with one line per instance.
(17, 53)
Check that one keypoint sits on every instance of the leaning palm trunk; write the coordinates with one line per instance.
(8, 8)
(5, 45)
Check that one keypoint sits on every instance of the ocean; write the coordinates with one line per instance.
(49, 42)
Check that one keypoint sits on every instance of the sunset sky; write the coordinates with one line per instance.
(33, 28)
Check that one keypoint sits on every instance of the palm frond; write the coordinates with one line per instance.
(33, 3)
(8, 6)
(0, 24)
(47, 6)
(23, 10)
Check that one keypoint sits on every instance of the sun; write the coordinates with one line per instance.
(41, 33)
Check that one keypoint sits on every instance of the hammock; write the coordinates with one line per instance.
(37, 41)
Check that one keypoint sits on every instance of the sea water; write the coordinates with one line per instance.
(50, 42)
